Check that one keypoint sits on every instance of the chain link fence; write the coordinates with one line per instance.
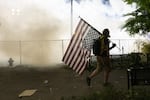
(49, 52)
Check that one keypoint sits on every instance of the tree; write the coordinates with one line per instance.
(146, 47)
(139, 20)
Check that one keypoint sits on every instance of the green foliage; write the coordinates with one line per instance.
(111, 93)
(140, 94)
(146, 47)
(108, 93)
(139, 3)
(135, 60)
(139, 20)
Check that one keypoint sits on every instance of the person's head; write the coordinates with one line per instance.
(106, 32)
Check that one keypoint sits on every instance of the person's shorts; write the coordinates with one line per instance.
(104, 63)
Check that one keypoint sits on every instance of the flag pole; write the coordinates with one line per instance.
(91, 26)
(71, 19)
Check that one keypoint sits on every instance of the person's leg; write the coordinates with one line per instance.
(98, 68)
(95, 72)
(107, 69)
(106, 76)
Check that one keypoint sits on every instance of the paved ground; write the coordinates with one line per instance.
(52, 84)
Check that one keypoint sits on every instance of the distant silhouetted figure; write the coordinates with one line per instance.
(10, 61)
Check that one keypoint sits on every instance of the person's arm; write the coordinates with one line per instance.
(113, 45)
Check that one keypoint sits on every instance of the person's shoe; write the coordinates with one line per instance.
(88, 80)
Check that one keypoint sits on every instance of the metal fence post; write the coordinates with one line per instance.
(20, 51)
(62, 47)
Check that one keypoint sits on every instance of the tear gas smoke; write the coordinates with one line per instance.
(26, 36)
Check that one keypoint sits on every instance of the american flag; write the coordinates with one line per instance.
(79, 49)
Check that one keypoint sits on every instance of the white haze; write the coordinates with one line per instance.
(35, 22)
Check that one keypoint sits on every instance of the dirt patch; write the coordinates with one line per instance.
(52, 84)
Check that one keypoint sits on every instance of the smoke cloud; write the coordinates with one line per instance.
(25, 35)
(33, 23)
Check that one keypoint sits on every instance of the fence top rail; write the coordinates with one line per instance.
(55, 40)
(31, 40)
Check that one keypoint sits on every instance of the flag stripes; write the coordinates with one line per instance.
(76, 56)
(73, 43)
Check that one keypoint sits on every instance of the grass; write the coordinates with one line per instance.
(111, 93)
